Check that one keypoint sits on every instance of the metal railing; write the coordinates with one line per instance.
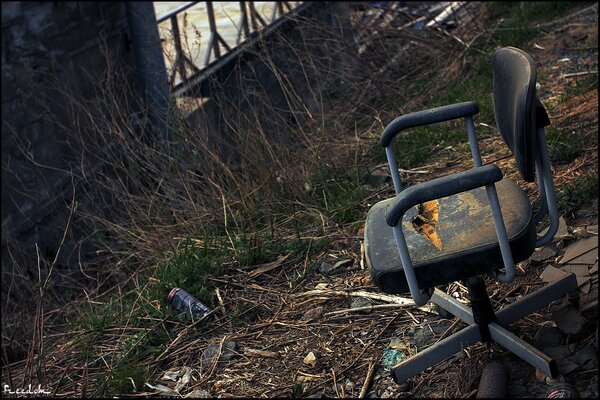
(250, 25)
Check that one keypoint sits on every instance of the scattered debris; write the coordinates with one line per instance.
(198, 394)
(392, 357)
(311, 360)
(544, 253)
(552, 274)
(163, 389)
(584, 251)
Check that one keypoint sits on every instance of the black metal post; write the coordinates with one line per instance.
(149, 61)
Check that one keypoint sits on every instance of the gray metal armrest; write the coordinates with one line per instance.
(441, 187)
(426, 117)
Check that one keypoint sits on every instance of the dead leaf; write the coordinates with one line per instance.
(426, 221)
(312, 314)
(262, 268)
(362, 280)
(261, 353)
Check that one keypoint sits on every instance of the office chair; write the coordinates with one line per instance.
(464, 225)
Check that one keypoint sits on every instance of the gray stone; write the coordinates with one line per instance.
(358, 302)
(328, 269)
(212, 352)
(425, 335)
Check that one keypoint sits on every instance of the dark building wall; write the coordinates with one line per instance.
(49, 48)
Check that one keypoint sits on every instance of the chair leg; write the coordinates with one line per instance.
(435, 354)
(470, 335)
(524, 350)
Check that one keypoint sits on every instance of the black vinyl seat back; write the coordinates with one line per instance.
(518, 111)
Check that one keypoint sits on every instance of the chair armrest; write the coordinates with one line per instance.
(440, 187)
(426, 117)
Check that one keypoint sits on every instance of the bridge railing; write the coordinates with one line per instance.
(181, 61)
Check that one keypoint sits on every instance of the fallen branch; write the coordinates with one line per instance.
(382, 297)
(368, 379)
(358, 309)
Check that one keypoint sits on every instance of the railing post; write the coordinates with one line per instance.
(213, 42)
(243, 23)
(179, 64)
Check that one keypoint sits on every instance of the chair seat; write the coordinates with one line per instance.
(467, 244)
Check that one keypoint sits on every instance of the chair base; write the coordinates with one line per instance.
(472, 334)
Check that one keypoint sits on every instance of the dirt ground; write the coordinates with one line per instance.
(308, 339)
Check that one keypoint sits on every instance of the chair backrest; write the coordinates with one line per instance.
(518, 111)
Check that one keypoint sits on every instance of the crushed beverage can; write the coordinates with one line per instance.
(184, 302)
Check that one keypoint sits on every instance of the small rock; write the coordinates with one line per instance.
(565, 366)
(312, 314)
(229, 349)
(358, 302)
(311, 360)
(547, 336)
(349, 387)
(559, 351)
(398, 344)
(327, 269)
(377, 178)
(424, 336)
(212, 352)
(198, 394)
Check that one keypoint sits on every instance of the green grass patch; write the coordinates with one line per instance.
(522, 19)
(336, 193)
(573, 196)
(563, 146)
(580, 87)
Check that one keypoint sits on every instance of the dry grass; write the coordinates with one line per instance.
(271, 179)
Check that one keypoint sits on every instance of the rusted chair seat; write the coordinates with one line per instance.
(462, 242)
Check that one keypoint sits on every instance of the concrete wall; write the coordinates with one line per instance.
(46, 45)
